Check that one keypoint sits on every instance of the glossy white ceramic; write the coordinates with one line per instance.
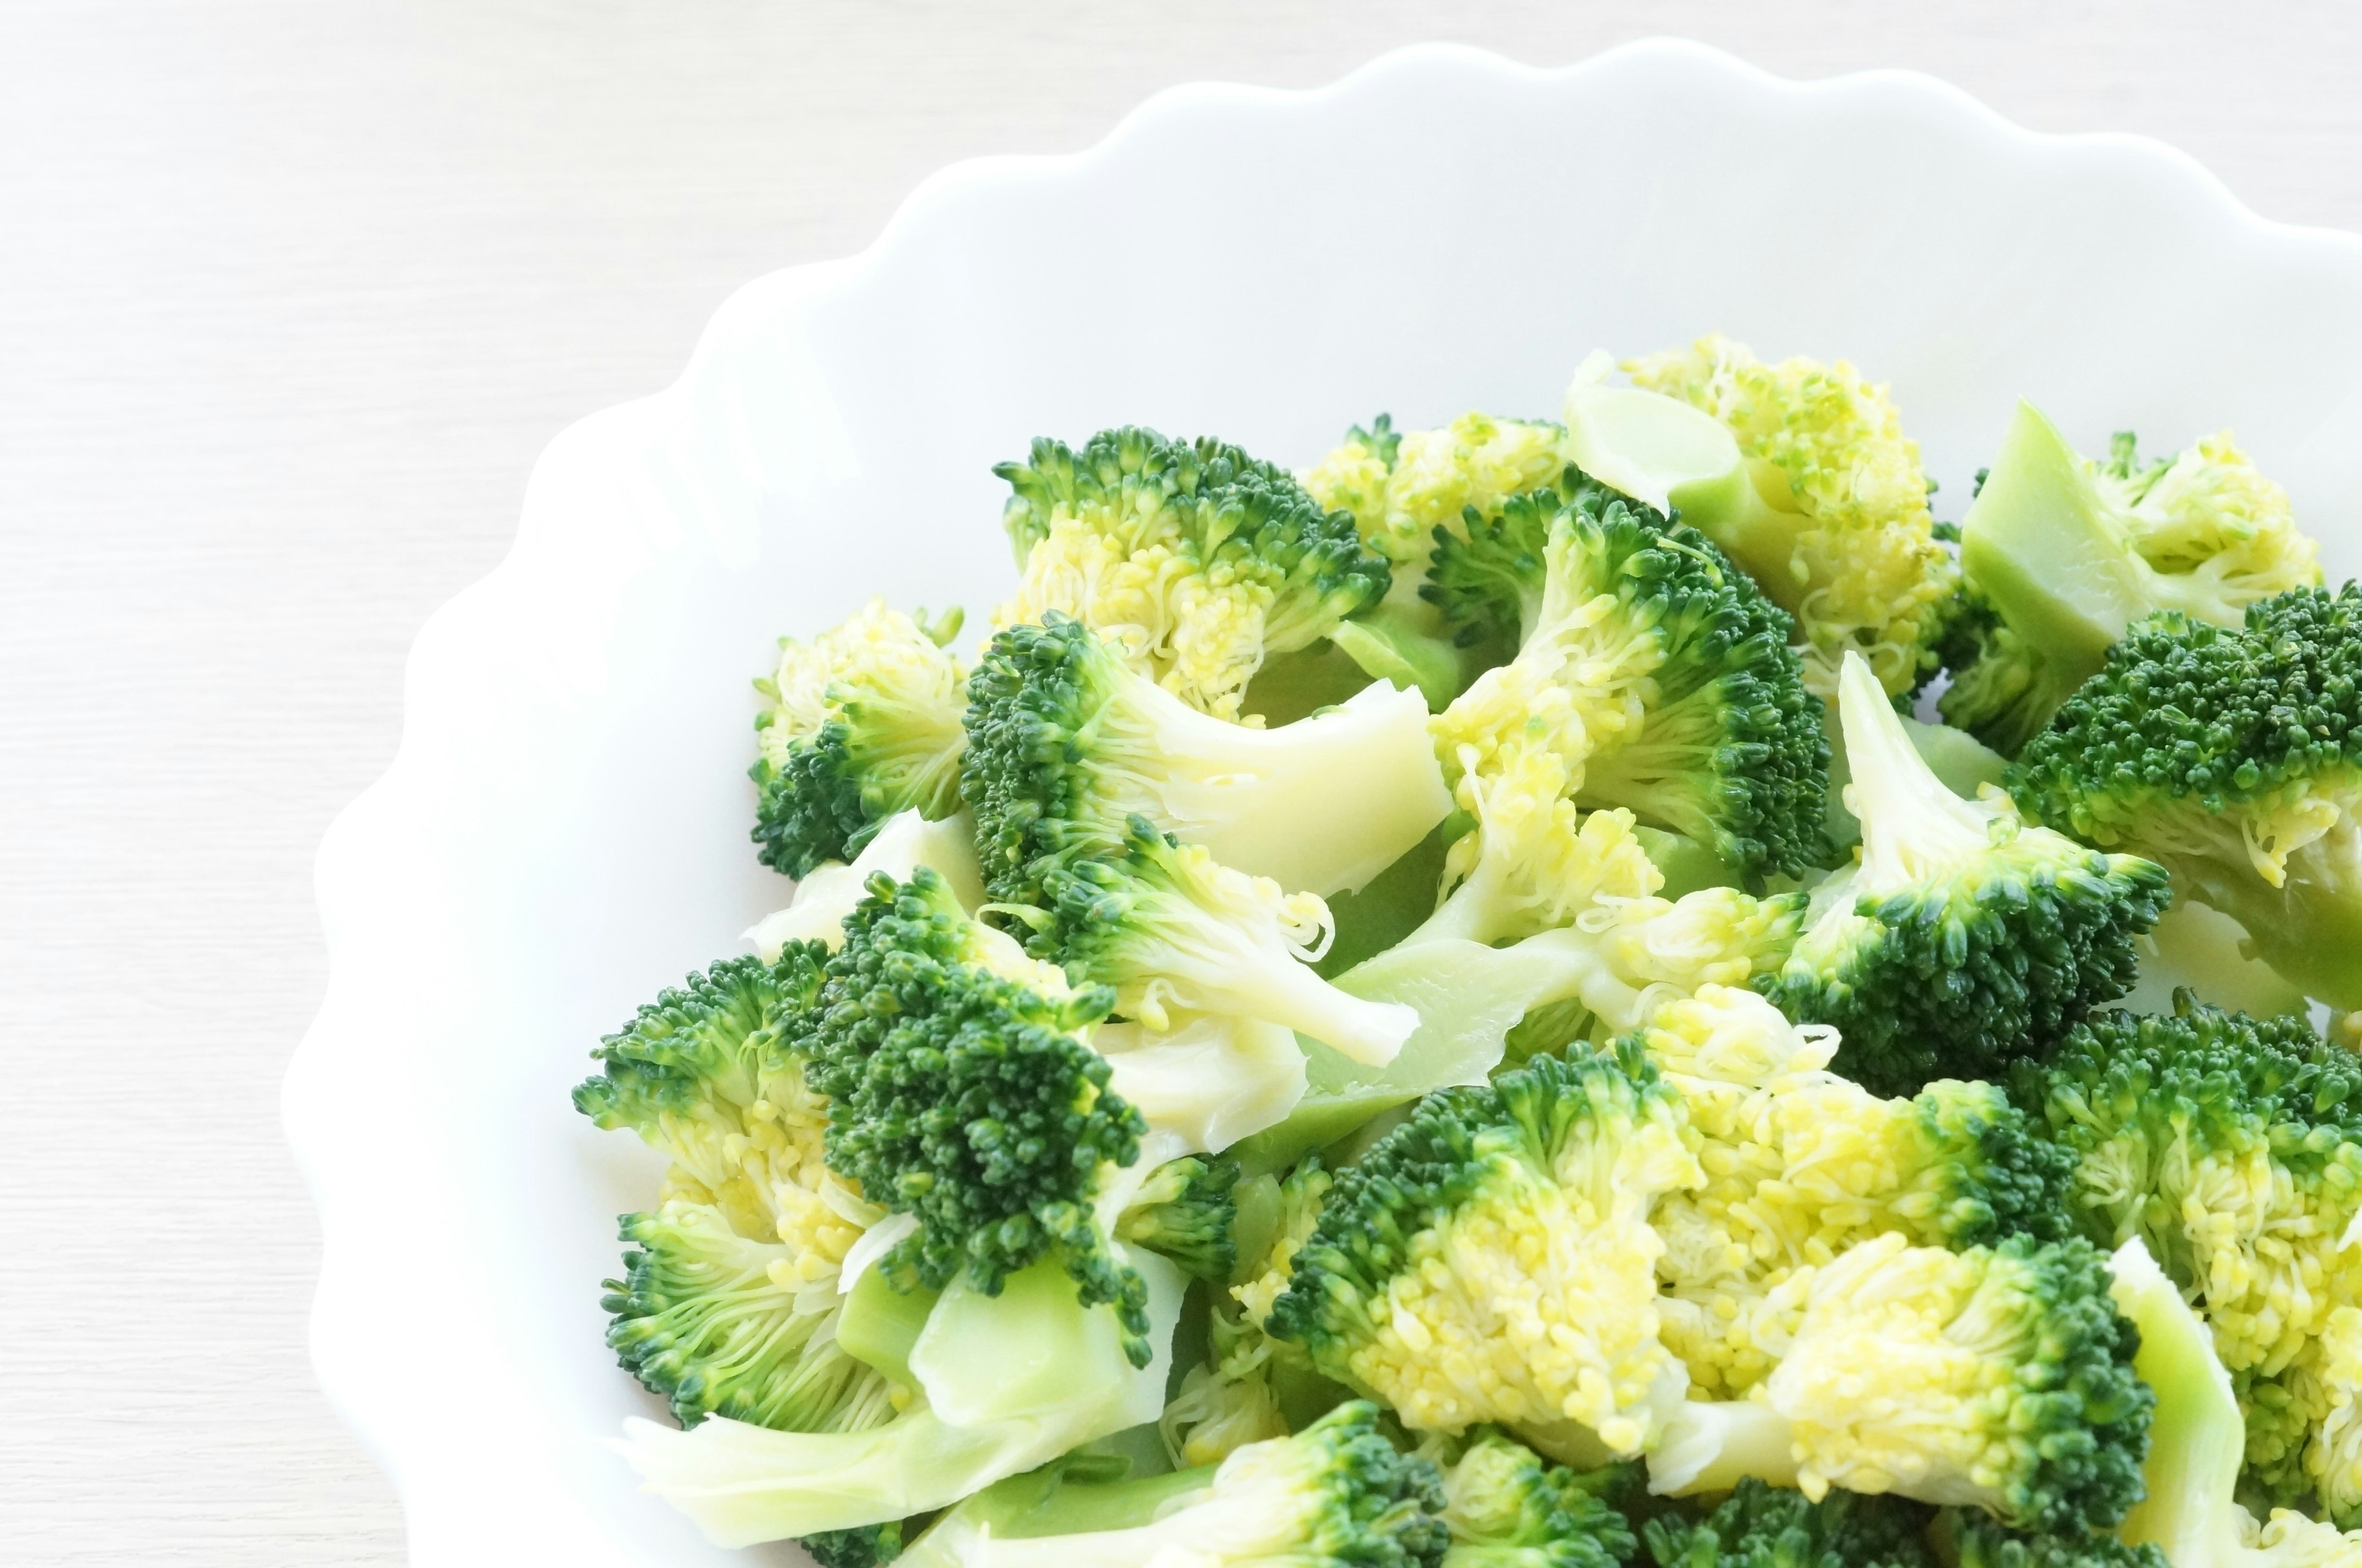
(564, 828)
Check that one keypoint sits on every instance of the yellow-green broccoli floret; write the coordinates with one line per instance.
(1961, 937)
(859, 723)
(1836, 528)
(2234, 758)
(1401, 486)
(1491, 1260)
(1197, 559)
(1507, 1507)
(2060, 555)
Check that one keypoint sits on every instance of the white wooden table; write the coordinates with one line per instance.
(291, 294)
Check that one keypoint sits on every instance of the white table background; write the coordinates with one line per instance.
(291, 292)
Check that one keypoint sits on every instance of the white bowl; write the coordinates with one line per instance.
(565, 829)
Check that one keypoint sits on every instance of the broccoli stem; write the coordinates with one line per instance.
(2197, 1438)
(1710, 1446)
(1912, 827)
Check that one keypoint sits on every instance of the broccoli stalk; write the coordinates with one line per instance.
(1196, 559)
(1068, 744)
(827, 893)
(1960, 937)
(1997, 1377)
(2064, 555)
(2234, 759)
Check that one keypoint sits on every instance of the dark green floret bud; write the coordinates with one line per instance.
(1768, 1527)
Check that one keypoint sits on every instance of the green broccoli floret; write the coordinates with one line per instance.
(1400, 486)
(1802, 474)
(1961, 937)
(859, 723)
(1185, 1210)
(1337, 1495)
(1769, 1526)
(870, 1546)
(2060, 555)
(2234, 759)
(1662, 680)
(1068, 744)
(1508, 1507)
(729, 1296)
(1490, 1259)
(1979, 1540)
(2232, 1147)
(960, 1094)
(1196, 558)
(1488, 576)
(1997, 1377)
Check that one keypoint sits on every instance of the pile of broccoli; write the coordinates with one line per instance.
(1543, 993)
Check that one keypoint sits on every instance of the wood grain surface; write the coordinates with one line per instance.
(291, 294)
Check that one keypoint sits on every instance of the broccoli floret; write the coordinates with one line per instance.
(1171, 930)
(1508, 1507)
(1996, 1377)
(1769, 1526)
(1401, 487)
(1488, 576)
(2062, 554)
(870, 1546)
(2234, 759)
(1979, 1540)
(1961, 937)
(1067, 743)
(860, 722)
(1663, 681)
(960, 1094)
(1197, 559)
(1185, 1211)
(1802, 1164)
(827, 893)
(2232, 1147)
(1832, 516)
(1490, 1259)
(1337, 1495)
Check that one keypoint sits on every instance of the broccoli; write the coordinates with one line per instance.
(1815, 492)
(1996, 1378)
(1490, 1259)
(1961, 937)
(1489, 576)
(1195, 558)
(1507, 1507)
(2205, 952)
(1802, 1164)
(1978, 1540)
(1662, 680)
(960, 1094)
(1066, 744)
(1184, 1212)
(903, 843)
(2062, 554)
(860, 722)
(2234, 759)
(2232, 1147)
(868, 1546)
(1337, 1495)
(1964, 764)
(1205, 1083)
(1402, 487)
(1768, 1527)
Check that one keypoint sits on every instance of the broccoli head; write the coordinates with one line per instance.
(1997, 1377)
(860, 722)
(1979, 1540)
(1961, 937)
(1067, 743)
(1834, 521)
(1184, 1212)
(1490, 1259)
(2232, 1147)
(1194, 558)
(1507, 1507)
(961, 1094)
(1803, 1165)
(1769, 1526)
(1663, 681)
(1401, 487)
(2234, 758)
(2060, 555)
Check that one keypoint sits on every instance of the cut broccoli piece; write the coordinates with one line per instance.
(1401, 487)
(1537, 1190)
(1996, 1377)
(1663, 681)
(2205, 952)
(860, 722)
(1508, 1507)
(1205, 1083)
(1823, 502)
(869, 1546)
(2062, 554)
(1960, 760)
(1802, 1165)
(1980, 1542)
(1169, 927)
(1184, 1212)
(1196, 559)
(827, 893)
(1068, 744)
(1960, 938)
(1489, 576)
(2234, 759)
(1769, 1526)
(960, 1094)
(1337, 1495)
(2232, 1147)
